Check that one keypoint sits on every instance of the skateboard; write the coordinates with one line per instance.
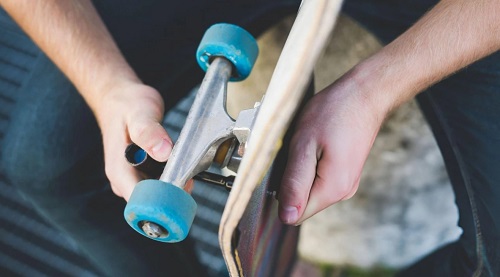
(305, 42)
(252, 240)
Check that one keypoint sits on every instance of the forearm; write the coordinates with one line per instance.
(451, 36)
(72, 34)
(326, 157)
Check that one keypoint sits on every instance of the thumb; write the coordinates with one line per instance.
(297, 180)
(150, 135)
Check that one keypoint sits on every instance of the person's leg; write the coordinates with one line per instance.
(387, 19)
(160, 40)
(52, 150)
(463, 113)
(52, 153)
(464, 116)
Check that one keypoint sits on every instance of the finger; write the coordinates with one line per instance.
(336, 180)
(189, 186)
(128, 184)
(150, 135)
(297, 180)
(321, 197)
(122, 177)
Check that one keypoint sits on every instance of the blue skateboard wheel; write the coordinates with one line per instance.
(169, 207)
(231, 42)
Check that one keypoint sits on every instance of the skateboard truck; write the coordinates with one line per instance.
(138, 158)
(161, 209)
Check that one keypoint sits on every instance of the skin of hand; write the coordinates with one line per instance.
(73, 36)
(326, 157)
(131, 113)
(337, 128)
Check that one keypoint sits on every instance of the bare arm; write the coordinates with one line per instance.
(72, 34)
(451, 36)
(339, 125)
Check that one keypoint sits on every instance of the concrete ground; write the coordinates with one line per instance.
(404, 207)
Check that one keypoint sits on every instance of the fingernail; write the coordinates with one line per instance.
(289, 214)
(162, 150)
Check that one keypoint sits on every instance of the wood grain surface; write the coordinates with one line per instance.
(304, 45)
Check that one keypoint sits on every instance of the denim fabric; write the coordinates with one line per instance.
(52, 153)
(159, 38)
(52, 149)
(463, 112)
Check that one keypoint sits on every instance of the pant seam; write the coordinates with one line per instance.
(466, 179)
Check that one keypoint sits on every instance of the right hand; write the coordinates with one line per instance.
(333, 137)
(131, 112)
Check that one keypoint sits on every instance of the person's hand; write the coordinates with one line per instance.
(131, 112)
(333, 137)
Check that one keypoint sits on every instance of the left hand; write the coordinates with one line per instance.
(130, 112)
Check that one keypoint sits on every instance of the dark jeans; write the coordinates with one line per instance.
(52, 150)
(463, 112)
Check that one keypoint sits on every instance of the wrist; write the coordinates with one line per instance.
(124, 99)
(99, 90)
(382, 83)
(368, 95)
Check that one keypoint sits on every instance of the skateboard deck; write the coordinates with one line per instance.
(251, 238)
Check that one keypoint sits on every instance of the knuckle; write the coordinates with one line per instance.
(292, 190)
(335, 189)
(341, 191)
(111, 173)
(137, 131)
(116, 191)
(352, 191)
(301, 143)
